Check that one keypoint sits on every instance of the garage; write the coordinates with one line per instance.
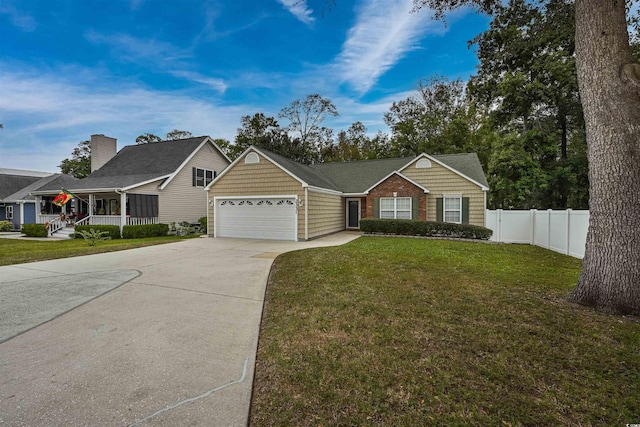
(273, 218)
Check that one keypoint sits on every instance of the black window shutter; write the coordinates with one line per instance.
(193, 176)
(439, 210)
(134, 204)
(414, 207)
(376, 208)
(154, 205)
(465, 210)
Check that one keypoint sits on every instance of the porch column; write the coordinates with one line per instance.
(21, 204)
(38, 209)
(92, 202)
(123, 211)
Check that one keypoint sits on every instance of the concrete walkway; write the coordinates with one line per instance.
(163, 336)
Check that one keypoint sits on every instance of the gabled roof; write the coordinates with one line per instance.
(136, 165)
(23, 193)
(358, 177)
(58, 182)
(14, 181)
(422, 187)
(306, 173)
(467, 164)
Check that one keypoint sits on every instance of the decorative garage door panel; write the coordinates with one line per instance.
(263, 218)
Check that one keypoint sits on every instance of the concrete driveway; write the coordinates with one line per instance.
(164, 335)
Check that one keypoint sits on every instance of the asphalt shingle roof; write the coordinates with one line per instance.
(358, 176)
(139, 163)
(23, 193)
(10, 184)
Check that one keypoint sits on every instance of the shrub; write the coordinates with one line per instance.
(203, 223)
(93, 236)
(407, 227)
(34, 230)
(112, 230)
(146, 230)
(7, 226)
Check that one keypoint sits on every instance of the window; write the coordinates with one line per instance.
(395, 208)
(202, 177)
(8, 210)
(453, 208)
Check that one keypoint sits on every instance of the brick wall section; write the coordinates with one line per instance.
(404, 188)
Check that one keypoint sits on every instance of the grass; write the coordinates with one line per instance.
(15, 251)
(406, 332)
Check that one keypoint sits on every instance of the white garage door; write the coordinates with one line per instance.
(256, 218)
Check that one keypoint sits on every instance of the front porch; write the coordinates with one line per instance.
(118, 209)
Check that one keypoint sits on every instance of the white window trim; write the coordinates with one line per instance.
(395, 207)
(8, 212)
(445, 210)
(213, 176)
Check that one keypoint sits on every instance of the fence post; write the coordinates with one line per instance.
(532, 227)
(499, 225)
(548, 228)
(568, 231)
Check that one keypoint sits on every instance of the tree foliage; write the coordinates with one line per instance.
(79, 165)
(173, 135)
(178, 134)
(264, 132)
(355, 144)
(305, 123)
(422, 122)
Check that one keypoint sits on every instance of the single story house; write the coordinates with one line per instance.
(140, 184)
(265, 195)
(16, 203)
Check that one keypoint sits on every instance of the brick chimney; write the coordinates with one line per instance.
(103, 148)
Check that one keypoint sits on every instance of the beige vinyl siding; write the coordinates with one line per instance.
(439, 181)
(326, 213)
(257, 179)
(180, 200)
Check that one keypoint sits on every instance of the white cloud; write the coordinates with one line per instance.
(216, 84)
(45, 116)
(385, 30)
(299, 9)
(137, 50)
(21, 20)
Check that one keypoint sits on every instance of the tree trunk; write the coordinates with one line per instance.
(610, 93)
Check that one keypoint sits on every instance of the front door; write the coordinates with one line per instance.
(353, 213)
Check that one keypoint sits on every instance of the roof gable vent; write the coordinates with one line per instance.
(423, 164)
(251, 158)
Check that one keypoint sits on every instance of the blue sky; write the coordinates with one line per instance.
(69, 69)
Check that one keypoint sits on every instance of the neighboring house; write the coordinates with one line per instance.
(141, 184)
(264, 195)
(16, 204)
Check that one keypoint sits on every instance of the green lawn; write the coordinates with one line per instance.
(413, 332)
(14, 251)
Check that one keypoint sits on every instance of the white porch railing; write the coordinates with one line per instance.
(115, 220)
(54, 225)
(141, 221)
(47, 218)
(83, 221)
(104, 220)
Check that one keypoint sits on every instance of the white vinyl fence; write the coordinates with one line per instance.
(561, 231)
